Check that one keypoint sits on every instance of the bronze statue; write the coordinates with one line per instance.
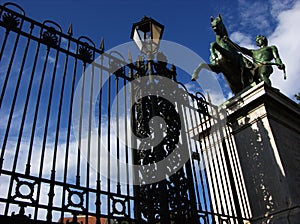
(239, 72)
(262, 59)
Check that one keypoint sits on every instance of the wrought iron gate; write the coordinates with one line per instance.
(68, 154)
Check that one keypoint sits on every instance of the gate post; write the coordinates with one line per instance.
(266, 128)
(165, 201)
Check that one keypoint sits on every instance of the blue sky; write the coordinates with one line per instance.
(113, 19)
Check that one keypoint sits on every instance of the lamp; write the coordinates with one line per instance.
(147, 35)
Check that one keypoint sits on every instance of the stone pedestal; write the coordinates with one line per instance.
(266, 129)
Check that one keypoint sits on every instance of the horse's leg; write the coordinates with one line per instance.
(213, 53)
(200, 67)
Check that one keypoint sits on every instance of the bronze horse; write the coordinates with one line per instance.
(225, 59)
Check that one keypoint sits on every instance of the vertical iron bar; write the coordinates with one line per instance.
(80, 126)
(137, 212)
(4, 43)
(69, 135)
(199, 119)
(14, 102)
(9, 123)
(36, 112)
(89, 140)
(200, 157)
(117, 136)
(126, 144)
(211, 145)
(98, 195)
(35, 120)
(220, 165)
(225, 171)
(192, 174)
(206, 128)
(60, 107)
(12, 57)
(23, 119)
(188, 167)
(108, 143)
(49, 104)
(231, 179)
(237, 171)
(52, 183)
(230, 185)
(26, 103)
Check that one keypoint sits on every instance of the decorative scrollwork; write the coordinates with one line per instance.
(119, 206)
(50, 37)
(27, 186)
(21, 214)
(10, 21)
(167, 111)
(85, 53)
(161, 67)
(202, 107)
(141, 67)
(149, 202)
(178, 194)
(168, 199)
(75, 199)
(24, 190)
(176, 184)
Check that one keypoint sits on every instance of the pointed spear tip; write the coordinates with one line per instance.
(70, 29)
(102, 44)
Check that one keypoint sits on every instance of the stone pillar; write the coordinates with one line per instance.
(266, 129)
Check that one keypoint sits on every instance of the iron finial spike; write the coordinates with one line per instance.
(70, 29)
(102, 44)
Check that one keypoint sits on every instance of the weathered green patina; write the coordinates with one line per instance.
(240, 66)
(262, 60)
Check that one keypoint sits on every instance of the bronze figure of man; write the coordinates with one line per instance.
(262, 59)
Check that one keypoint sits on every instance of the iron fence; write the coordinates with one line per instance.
(70, 117)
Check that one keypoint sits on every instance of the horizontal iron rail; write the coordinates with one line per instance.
(66, 36)
(64, 184)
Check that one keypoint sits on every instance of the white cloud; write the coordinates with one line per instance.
(193, 87)
(277, 6)
(242, 39)
(261, 16)
(286, 37)
(254, 14)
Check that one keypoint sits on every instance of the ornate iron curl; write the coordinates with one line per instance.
(175, 185)
(50, 37)
(85, 50)
(85, 53)
(10, 21)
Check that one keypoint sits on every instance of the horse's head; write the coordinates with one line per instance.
(218, 26)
